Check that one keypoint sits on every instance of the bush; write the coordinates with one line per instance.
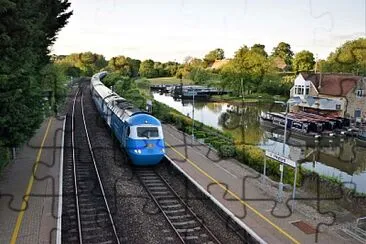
(200, 134)
(4, 157)
(227, 151)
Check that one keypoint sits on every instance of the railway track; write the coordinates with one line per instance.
(186, 224)
(86, 215)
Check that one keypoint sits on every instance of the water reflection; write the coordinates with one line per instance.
(339, 157)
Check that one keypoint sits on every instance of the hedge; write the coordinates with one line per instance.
(4, 157)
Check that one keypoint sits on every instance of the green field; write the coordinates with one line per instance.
(168, 80)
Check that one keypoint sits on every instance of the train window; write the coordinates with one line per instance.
(128, 131)
(147, 132)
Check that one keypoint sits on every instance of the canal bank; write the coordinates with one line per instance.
(342, 163)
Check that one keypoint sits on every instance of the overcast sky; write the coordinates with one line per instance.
(173, 29)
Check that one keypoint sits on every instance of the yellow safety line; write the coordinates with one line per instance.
(14, 236)
(235, 196)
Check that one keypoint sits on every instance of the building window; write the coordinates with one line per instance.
(359, 93)
(307, 91)
(357, 113)
(299, 90)
(338, 107)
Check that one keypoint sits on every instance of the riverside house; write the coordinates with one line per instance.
(341, 95)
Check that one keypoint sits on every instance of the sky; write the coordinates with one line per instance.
(168, 30)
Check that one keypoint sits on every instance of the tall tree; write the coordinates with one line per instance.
(248, 67)
(303, 61)
(283, 50)
(88, 62)
(348, 58)
(217, 54)
(28, 28)
(260, 49)
(147, 69)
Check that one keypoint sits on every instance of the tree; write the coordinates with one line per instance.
(217, 54)
(247, 66)
(348, 58)
(88, 62)
(283, 50)
(147, 69)
(303, 61)
(171, 68)
(25, 39)
(120, 64)
(259, 48)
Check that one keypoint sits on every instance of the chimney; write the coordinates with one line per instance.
(320, 81)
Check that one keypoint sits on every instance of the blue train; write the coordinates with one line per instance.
(140, 134)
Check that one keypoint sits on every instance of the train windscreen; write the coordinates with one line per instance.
(147, 132)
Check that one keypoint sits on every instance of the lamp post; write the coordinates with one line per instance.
(295, 100)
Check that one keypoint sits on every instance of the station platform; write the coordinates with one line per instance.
(242, 191)
(29, 188)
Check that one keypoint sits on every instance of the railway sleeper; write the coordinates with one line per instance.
(187, 230)
(190, 237)
(160, 193)
(93, 210)
(154, 182)
(172, 206)
(188, 222)
(180, 216)
(182, 210)
(168, 201)
(157, 188)
(96, 221)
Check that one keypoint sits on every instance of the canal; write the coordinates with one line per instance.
(339, 158)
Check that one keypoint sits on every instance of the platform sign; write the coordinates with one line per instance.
(281, 159)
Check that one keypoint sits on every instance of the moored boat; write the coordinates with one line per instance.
(306, 124)
(361, 138)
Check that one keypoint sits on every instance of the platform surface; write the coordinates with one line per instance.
(29, 188)
(240, 190)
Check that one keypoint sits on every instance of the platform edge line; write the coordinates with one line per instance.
(60, 193)
(18, 223)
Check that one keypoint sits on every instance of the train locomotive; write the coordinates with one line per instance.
(140, 133)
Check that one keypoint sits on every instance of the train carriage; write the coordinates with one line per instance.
(140, 133)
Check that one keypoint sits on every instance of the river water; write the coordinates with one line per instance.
(340, 158)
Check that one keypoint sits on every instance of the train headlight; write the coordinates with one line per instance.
(138, 151)
(163, 150)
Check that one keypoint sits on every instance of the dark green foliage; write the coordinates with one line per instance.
(148, 70)
(283, 50)
(348, 58)
(213, 55)
(126, 66)
(4, 157)
(303, 61)
(125, 87)
(85, 64)
(27, 29)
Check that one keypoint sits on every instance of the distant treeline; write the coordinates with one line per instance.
(251, 70)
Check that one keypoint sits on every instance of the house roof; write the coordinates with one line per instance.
(332, 84)
(219, 63)
(280, 63)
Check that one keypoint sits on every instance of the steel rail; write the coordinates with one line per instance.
(175, 195)
(97, 172)
(74, 168)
